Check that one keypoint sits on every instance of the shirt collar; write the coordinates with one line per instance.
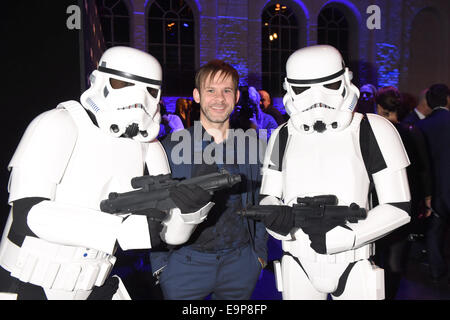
(419, 114)
(440, 108)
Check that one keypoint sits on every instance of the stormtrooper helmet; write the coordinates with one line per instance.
(320, 95)
(124, 94)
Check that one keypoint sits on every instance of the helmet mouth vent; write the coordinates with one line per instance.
(319, 126)
(134, 106)
(131, 131)
(319, 105)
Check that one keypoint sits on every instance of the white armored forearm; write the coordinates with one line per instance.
(179, 227)
(380, 221)
(392, 188)
(77, 226)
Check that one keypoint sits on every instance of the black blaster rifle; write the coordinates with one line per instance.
(308, 209)
(154, 191)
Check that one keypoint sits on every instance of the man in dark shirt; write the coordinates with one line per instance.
(226, 253)
(268, 107)
(436, 129)
(420, 112)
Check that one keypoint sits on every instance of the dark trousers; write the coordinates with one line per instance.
(435, 240)
(392, 255)
(226, 275)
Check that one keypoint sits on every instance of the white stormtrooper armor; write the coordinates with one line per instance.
(323, 156)
(319, 89)
(65, 158)
(136, 104)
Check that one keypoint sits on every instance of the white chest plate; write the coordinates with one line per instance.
(326, 163)
(99, 164)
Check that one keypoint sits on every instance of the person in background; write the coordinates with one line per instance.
(393, 249)
(366, 102)
(421, 111)
(169, 122)
(195, 111)
(267, 106)
(436, 129)
(248, 114)
(182, 110)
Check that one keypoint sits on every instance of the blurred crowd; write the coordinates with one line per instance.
(423, 124)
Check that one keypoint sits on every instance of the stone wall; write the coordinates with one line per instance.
(231, 30)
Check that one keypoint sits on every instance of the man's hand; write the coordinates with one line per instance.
(263, 263)
(280, 221)
(428, 210)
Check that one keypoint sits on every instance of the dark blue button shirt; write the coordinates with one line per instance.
(223, 228)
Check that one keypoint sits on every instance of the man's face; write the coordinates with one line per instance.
(265, 99)
(390, 115)
(366, 95)
(217, 98)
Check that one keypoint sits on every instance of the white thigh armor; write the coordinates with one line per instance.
(65, 158)
(331, 163)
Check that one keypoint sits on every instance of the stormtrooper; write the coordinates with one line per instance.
(327, 149)
(57, 244)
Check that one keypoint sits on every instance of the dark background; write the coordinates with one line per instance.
(41, 68)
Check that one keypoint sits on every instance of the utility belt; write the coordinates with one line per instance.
(54, 266)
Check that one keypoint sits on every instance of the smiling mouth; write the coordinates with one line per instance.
(319, 105)
(221, 108)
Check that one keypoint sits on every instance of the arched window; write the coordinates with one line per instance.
(115, 21)
(338, 25)
(280, 38)
(428, 61)
(171, 40)
(333, 29)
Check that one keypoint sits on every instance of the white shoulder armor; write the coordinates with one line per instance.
(272, 180)
(270, 145)
(156, 159)
(389, 142)
(391, 183)
(42, 154)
